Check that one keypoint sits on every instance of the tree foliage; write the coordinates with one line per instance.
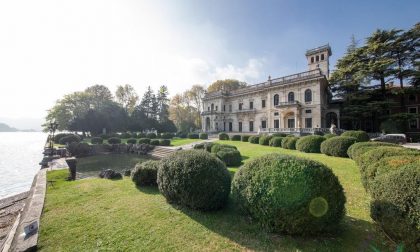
(226, 85)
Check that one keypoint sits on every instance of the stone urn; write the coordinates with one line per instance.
(71, 162)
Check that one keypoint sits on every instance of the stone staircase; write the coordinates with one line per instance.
(160, 152)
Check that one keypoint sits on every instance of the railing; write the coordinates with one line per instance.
(246, 110)
(213, 112)
(297, 130)
(288, 103)
(276, 81)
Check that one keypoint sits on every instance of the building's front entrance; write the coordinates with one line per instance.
(290, 123)
(276, 123)
(230, 126)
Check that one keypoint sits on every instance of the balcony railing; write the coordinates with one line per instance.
(253, 110)
(289, 103)
(211, 112)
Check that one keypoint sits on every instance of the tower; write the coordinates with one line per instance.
(319, 58)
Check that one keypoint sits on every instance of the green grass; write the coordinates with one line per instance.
(95, 214)
(182, 141)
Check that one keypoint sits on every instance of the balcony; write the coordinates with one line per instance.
(253, 110)
(287, 104)
(211, 112)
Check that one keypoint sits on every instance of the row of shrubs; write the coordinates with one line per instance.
(228, 154)
(391, 175)
(116, 140)
(329, 144)
(308, 199)
(65, 138)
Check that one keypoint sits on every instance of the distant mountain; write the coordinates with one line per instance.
(6, 128)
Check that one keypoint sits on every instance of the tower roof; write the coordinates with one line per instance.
(319, 49)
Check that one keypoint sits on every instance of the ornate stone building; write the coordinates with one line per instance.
(296, 103)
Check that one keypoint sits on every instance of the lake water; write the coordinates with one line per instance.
(20, 154)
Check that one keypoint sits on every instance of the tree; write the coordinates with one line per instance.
(226, 85)
(99, 95)
(162, 101)
(127, 97)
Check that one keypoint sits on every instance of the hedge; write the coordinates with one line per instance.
(144, 141)
(230, 157)
(396, 205)
(310, 144)
(204, 136)
(194, 179)
(145, 173)
(151, 135)
(337, 146)
(114, 140)
(71, 138)
(132, 141)
(164, 142)
(79, 149)
(154, 142)
(193, 136)
(360, 148)
(264, 140)
(181, 134)
(204, 146)
(166, 135)
(329, 135)
(223, 136)
(236, 138)
(289, 195)
(57, 137)
(254, 139)
(218, 147)
(96, 140)
(125, 135)
(278, 135)
(276, 141)
(289, 142)
(361, 136)
(245, 138)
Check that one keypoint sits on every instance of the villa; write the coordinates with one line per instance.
(298, 103)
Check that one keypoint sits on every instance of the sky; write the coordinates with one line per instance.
(52, 48)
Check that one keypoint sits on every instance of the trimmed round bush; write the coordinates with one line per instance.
(318, 133)
(204, 136)
(134, 135)
(181, 134)
(151, 135)
(145, 173)
(204, 146)
(357, 149)
(218, 147)
(194, 179)
(276, 141)
(57, 137)
(125, 135)
(144, 141)
(310, 144)
(360, 135)
(223, 136)
(289, 142)
(236, 138)
(79, 149)
(193, 136)
(329, 135)
(245, 138)
(337, 146)
(114, 140)
(166, 135)
(199, 146)
(132, 141)
(141, 135)
(230, 157)
(289, 195)
(154, 142)
(278, 135)
(396, 205)
(96, 140)
(164, 142)
(71, 138)
(254, 139)
(104, 136)
(386, 165)
(264, 140)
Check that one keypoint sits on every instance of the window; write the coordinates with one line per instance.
(217, 126)
(230, 127)
(251, 126)
(312, 59)
(208, 108)
(322, 56)
(308, 122)
(308, 111)
(276, 113)
(212, 107)
(413, 124)
(291, 97)
(240, 106)
(217, 108)
(412, 110)
(224, 107)
(308, 95)
(317, 58)
(263, 103)
(251, 105)
(230, 107)
(276, 123)
(240, 126)
(276, 99)
(263, 124)
(291, 123)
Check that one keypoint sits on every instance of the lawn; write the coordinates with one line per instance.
(95, 214)
(182, 141)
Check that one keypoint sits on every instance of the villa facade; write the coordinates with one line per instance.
(294, 103)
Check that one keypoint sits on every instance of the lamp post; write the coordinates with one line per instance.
(52, 127)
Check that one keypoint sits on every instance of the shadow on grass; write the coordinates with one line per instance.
(353, 234)
(148, 189)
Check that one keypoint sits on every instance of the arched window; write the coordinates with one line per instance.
(308, 95)
(212, 107)
(276, 99)
(291, 97)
